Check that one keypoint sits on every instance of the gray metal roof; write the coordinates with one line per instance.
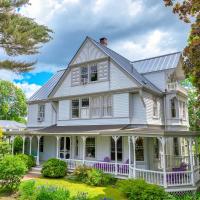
(47, 88)
(7, 124)
(159, 63)
(128, 66)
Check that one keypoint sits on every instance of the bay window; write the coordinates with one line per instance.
(75, 108)
(173, 108)
(90, 147)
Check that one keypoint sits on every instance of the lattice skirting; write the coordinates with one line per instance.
(182, 193)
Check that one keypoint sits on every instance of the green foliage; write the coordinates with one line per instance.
(12, 170)
(81, 173)
(5, 149)
(139, 189)
(27, 159)
(97, 177)
(18, 145)
(54, 168)
(29, 191)
(19, 35)
(12, 102)
(81, 196)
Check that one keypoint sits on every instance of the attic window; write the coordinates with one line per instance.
(93, 73)
(84, 75)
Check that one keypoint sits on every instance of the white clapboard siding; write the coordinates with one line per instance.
(64, 110)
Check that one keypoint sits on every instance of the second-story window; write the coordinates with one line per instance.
(85, 108)
(75, 108)
(41, 112)
(95, 107)
(107, 106)
(155, 108)
(93, 73)
(84, 75)
(173, 107)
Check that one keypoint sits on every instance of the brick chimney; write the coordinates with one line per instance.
(103, 41)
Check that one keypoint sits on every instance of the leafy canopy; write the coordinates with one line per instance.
(19, 35)
(12, 102)
(189, 12)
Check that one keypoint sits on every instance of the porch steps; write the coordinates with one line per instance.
(36, 170)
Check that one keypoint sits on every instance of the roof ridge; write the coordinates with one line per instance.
(155, 57)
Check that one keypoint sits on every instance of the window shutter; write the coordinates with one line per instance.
(102, 71)
(75, 76)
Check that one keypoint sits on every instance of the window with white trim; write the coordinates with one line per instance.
(75, 108)
(182, 105)
(42, 144)
(139, 149)
(155, 108)
(176, 146)
(95, 107)
(90, 147)
(84, 75)
(119, 149)
(184, 110)
(93, 73)
(173, 108)
(85, 108)
(107, 106)
(41, 112)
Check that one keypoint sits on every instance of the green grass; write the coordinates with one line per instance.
(94, 193)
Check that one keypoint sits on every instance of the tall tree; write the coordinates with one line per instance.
(19, 35)
(189, 12)
(12, 102)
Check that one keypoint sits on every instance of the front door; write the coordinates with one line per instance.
(65, 147)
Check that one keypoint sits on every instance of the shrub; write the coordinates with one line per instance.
(54, 168)
(139, 189)
(81, 196)
(12, 170)
(18, 145)
(96, 177)
(27, 159)
(81, 173)
(5, 149)
(29, 191)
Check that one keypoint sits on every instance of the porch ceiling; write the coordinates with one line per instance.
(106, 130)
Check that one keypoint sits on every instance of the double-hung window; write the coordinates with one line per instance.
(107, 106)
(41, 112)
(173, 107)
(85, 108)
(119, 149)
(93, 73)
(84, 75)
(139, 149)
(95, 107)
(75, 108)
(155, 108)
(42, 144)
(90, 147)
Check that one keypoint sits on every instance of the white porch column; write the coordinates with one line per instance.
(134, 138)
(129, 155)
(23, 147)
(115, 138)
(84, 140)
(12, 143)
(191, 161)
(30, 147)
(57, 146)
(38, 150)
(163, 142)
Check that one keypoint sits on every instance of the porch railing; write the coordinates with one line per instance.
(168, 179)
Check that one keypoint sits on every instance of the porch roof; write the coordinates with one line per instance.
(107, 130)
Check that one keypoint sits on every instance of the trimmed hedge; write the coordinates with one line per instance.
(29, 160)
(54, 168)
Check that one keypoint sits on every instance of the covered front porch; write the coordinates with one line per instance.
(166, 158)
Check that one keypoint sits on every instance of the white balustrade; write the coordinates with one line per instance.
(196, 174)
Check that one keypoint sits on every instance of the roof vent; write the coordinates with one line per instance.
(103, 41)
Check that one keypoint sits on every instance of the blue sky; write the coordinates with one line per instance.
(135, 28)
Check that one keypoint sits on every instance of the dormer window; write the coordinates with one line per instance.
(84, 75)
(93, 73)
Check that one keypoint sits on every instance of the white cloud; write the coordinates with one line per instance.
(9, 75)
(29, 89)
(153, 44)
(43, 67)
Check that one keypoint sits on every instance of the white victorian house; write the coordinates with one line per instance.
(127, 118)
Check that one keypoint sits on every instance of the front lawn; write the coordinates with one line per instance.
(94, 193)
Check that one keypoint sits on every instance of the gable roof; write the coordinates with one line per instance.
(47, 88)
(128, 66)
(8, 124)
(164, 62)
